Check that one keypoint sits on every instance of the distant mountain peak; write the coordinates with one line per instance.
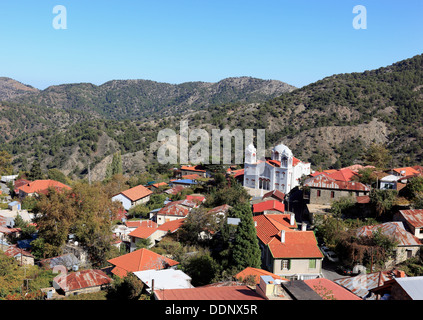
(10, 88)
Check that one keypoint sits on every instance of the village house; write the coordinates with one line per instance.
(38, 187)
(268, 207)
(274, 195)
(23, 257)
(254, 274)
(282, 172)
(133, 197)
(69, 261)
(408, 245)
(287, 251)
(323, 189)
(198, 169)
(173, 211)
(139, 260)
(405, 288)
(413, 220)
(165, 279)
(85, 281)
(363, 284)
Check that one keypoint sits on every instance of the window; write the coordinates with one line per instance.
(318, 193)
(312, 264)
(332, 194)
(285, 265)
(409, 254)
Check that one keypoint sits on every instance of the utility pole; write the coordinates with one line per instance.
(89, 171)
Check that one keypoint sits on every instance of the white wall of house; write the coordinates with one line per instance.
(126, 203)
(155, 237)
(161, 219)
(298, 267)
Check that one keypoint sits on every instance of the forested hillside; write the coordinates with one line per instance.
(330, 122)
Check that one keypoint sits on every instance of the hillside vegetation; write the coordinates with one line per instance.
(329, 123)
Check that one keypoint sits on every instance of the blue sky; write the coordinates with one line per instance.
(175, 41)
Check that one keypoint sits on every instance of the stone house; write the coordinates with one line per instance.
(408, 245)
(413, 221)
(287, 251)
(324, 190)
(84, 281)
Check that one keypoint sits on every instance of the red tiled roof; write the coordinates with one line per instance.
(267, 228)
(144, 231)
(275, 194)
(20, 183)
(139, 260)
(256, 273)
(193, 168)
(140, 223)
(171, 226)
(42, 186)
(209, 293)
(136, 193)
(325, 182)
(160, 184)
(83, 279)
(199, 199)
(269, 205)
(414, 217)
(343, 175)
(298, 244)
(330, 288)
(408, 171)
(193, 176)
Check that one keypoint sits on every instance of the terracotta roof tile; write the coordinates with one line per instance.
(171, 226)
(279, 195)
(343, 175)
(42, 186)
(209, 293)
(298, 244)
(406, 171)
(269, 205)
(137, 193)
(193, 168)
(256, 273)
(139, 260)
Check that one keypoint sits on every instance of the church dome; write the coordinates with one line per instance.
(251, 148)
(283, 149)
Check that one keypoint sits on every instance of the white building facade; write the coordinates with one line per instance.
(282, 172)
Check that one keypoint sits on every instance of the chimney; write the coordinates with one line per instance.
(304, 226)
(292, 219)
(283, 236)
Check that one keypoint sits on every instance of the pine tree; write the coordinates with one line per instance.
(246, 250)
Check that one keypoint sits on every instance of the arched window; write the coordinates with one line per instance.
(284, 162)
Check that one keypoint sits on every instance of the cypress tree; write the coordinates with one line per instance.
(246, 250)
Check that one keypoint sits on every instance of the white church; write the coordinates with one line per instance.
(282, 172)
